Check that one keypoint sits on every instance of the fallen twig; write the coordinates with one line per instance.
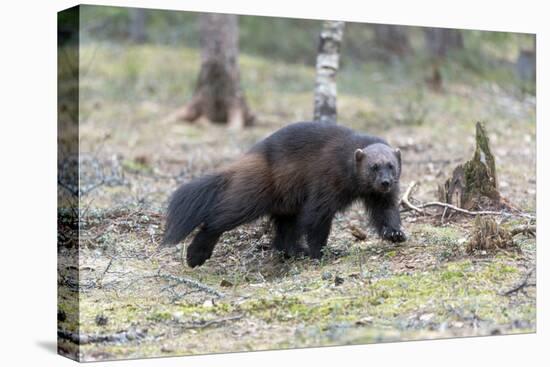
(121, 337)
(419, 208)
(527, 229)
(474, 213)
(523, 284)
(205, 324)
(176, 280)
(99, 280)
(191, 283)
(405, 199)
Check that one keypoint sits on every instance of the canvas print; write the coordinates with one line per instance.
(233, 183)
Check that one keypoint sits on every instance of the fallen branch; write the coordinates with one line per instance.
(205, 324)
(176, 282)
(405, 201)
(191, 283)
(121, 337)
(99, 280)
(527, 229)
(523, 284)
(474, 213)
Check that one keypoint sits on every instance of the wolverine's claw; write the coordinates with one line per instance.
(394, 235)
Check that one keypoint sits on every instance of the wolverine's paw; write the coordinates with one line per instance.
(296, 251)
(394, 235)
(196, 258)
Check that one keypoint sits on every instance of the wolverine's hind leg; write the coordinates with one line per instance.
(218, 221)
(317, 224)
(202, 246)
(287, 235)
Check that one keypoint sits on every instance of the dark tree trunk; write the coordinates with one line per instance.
(138, 18)
(439, 42)
(526, 65)
(218, 95)
(328, 59)
(392, 39)
(526, 68)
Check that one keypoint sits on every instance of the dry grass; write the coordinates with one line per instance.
(487, 235)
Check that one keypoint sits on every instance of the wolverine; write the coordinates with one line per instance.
(300, 176)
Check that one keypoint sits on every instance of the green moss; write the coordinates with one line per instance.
(438, 233)
(446, 239)
(287, 309)
(136, 166)
(160, 316)
(450, 275)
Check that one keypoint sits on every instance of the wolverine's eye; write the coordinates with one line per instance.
(375, 167)
(390, 166)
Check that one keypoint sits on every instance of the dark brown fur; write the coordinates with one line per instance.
(300, 176)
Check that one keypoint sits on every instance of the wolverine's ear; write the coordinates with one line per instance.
(359, 155)
(398, 155)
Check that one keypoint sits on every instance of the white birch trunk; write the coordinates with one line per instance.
(328, 60)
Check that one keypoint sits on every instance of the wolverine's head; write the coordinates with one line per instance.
(378, 168)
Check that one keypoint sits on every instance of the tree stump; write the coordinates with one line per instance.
(473, 185)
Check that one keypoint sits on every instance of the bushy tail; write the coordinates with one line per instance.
(189, 206)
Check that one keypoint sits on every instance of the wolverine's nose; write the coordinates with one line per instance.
(385, 184)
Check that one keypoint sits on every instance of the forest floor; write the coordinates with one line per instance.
(144, 301)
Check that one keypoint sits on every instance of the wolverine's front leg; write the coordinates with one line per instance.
(385, 217)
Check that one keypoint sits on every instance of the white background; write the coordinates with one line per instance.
(28, 181)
